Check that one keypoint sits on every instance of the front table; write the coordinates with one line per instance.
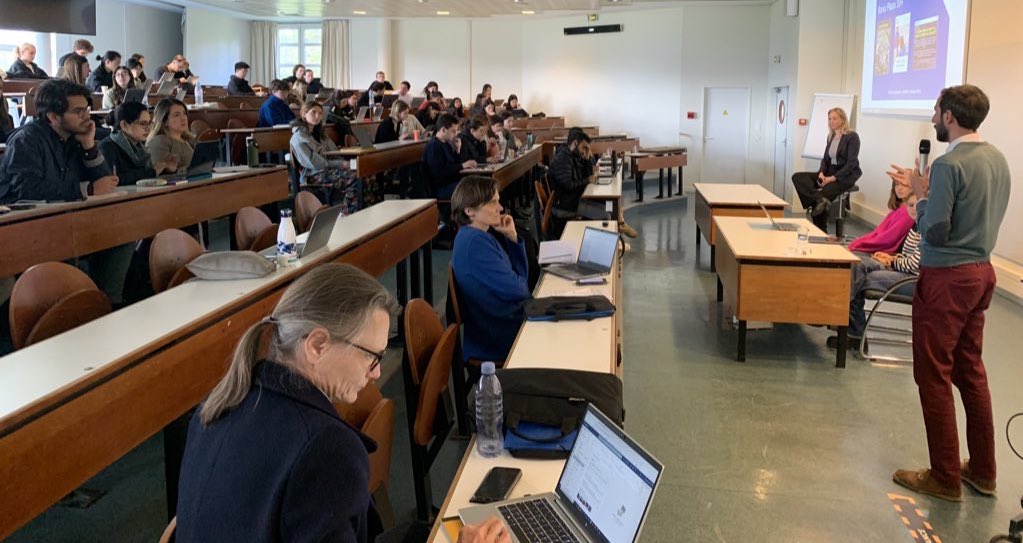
(760, 278)
(730, 200)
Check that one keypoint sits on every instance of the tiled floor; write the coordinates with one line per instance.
(783, 448)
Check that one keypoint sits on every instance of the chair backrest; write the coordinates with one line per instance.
(266, 239)
(170, 252)
(210, 134)
(199, 126)
(306, 207)
(236, 142)
(374, 416)
(435, 380)
(454, 310)
(541, 193)
(545, 218)
(30, 102)
(213, 92)
(168, 533)
(422, 332)
(249, 223)
(70, 312)
(38, 290)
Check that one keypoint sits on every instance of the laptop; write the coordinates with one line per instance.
(166, 88)
(365, 133)
(389, 100)
(596, 253)
(603, 495)
(181, 95)
(361, 115)
(134, 95)
(319, 234)
(782, 226)
(378, 112)
(204, 157)
(417, 101)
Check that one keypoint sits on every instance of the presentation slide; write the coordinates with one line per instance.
(912, 50)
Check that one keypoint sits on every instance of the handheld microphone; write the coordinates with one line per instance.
(925, 150)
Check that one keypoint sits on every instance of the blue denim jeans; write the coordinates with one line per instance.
(869, 274)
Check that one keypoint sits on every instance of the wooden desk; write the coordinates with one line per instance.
(545, 122)
(761, 279)
(607, 193)
(505, 173)
(577, 345)
(383, 157)
(75, 403)
(617, 143)
(660, 159)
(12, 86)
(54, 232)
(730, 200)
(541, 135)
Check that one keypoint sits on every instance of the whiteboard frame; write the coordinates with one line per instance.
(818, 127)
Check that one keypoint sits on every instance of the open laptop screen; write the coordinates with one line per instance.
(608, 480)
(598, 248)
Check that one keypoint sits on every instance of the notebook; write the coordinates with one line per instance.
(603, 495)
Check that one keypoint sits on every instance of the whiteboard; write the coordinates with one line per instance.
(817, 135)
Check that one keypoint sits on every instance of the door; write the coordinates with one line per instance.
(781, 140)
(725, 134)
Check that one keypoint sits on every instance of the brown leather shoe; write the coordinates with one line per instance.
(921, 481)
(982, 486)
(624, 228)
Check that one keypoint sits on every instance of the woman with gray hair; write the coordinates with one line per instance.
(268, 458)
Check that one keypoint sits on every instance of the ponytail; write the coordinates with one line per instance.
(231, 390)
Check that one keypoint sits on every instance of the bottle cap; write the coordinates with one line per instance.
(487, 368)
(285, 213)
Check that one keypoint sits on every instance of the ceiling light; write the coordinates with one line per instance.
(359, 12)
(443, 13)
(528, 12)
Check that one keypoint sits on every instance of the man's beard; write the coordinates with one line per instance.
(941, 132)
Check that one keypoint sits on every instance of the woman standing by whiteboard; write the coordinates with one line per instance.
(839, 170)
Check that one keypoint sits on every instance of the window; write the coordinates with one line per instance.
(298, 44)
(9, 39)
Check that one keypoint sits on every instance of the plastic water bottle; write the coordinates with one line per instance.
(286, 234)
(802, 241)
(198, 94)
(489, 413)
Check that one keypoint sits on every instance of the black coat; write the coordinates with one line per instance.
(569, 176)
(280, 466)
(38, 165)
(20, 70)
(387, 132)
(847, 166)
(239, 87)
(129, 170)
(440, 164)
(99, 78)
(472, 148)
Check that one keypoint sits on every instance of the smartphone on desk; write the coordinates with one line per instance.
(497, 485)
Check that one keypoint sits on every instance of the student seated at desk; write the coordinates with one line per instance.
(474, 142)
(501, 143)
(125, 149)
(512, 107)
(275, 110)
(238, 85)
(103, 74)
(440, 161)
(56, 158)
(436, 97)
(348, 106)
(508, 119)
(81, 49)
(297, 73)
(570, 171)
(309, 142)
(76, 70)
(138, 74)
(390, 129)
(888, 236)
(6, 121)
(267, 457)
(313, 84)
(24, 67)
(169, 135)
(384, 83)
(457, 110)
(405, 92)
(491, 270)
(373, 95)
(428, 116)
(429, 89)
(298, 93)
(123, 81)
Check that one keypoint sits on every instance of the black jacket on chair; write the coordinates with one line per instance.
(280, 466)
(847, 166)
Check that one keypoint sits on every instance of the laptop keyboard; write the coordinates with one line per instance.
(534, 521)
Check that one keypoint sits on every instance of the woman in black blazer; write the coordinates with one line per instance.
(838, 172)
(390, 130)
(268, 458)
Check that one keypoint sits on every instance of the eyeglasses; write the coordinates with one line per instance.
(79, 111)
(376, 357)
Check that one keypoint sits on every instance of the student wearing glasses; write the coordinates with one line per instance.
(123, 81)
(125, 149)
(268, 458)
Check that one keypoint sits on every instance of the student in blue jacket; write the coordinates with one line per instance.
(491, 270)
(275, 111)
(268, 458)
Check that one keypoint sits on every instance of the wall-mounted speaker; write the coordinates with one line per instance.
(594, 29)
(792, 8)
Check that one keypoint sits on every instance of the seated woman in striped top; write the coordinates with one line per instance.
(880, 272)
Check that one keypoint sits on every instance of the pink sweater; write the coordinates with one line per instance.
(888, 236)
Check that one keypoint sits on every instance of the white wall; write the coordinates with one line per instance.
(496, 57)
(433, 50)
(213, 43)
(127, 28)
(373, 44)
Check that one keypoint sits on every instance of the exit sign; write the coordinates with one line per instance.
(593, 17)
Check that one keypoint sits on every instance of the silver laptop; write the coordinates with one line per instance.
(361, 115)
(166, 88)
(596, 253)
(134, 95)
(181, 95)
(378, 112)
(365, 133)
(783, 226)
(319, 234)
(603, 495)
